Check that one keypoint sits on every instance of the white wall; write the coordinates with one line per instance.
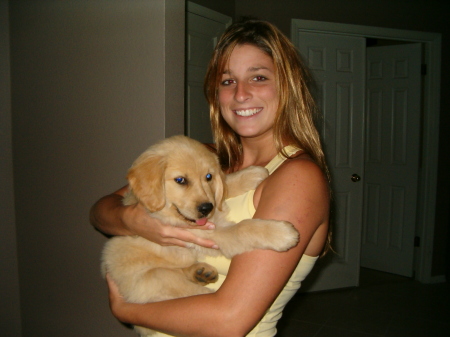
(93, 84)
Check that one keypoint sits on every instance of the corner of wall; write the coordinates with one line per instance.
(10, 324)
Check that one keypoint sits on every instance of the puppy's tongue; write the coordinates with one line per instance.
(201, 222)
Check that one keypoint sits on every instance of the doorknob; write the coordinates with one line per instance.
(355, 177)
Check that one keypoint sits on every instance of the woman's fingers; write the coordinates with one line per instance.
(112, 287)
(115, 298)
(117, 304)
(183, 238)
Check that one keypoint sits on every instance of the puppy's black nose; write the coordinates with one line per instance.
(205, 208)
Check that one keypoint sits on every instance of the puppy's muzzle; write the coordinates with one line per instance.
(205, 208)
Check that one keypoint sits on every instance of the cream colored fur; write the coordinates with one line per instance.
(147, 272)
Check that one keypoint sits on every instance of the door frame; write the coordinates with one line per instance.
(189, 112)
(426, 199)
(194, 8)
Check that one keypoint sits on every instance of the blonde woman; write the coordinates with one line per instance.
(262, 114)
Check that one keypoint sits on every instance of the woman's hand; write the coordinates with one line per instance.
(117, 304)
(138, 221)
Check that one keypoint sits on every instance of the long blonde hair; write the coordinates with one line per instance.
(297, 111)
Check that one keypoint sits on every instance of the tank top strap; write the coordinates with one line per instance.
(279, 158)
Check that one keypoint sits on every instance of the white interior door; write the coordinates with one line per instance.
(431, 89)
(204, 27)
(391, 157)
(338, 63)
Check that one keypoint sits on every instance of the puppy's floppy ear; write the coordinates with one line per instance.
(220, 189)
(146, 179)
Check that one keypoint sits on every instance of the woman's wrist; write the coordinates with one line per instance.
(124, 215)
(107, 215)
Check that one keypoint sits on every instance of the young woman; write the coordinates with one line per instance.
(261, 114)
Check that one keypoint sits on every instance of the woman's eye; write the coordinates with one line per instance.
(259, 78)
(209, 177)
(181, 180)
(227, 82)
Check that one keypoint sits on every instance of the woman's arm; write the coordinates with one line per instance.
(111, 217)
(296, 192)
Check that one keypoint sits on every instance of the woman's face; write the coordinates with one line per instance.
(248, 94)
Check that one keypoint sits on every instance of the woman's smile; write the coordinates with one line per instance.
(247, 112)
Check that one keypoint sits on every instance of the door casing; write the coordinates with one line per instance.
(203, 29)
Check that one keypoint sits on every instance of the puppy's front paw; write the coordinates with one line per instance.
(201, 273)
(269, 234)
(285, 236)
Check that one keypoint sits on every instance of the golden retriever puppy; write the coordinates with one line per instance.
(179, 181)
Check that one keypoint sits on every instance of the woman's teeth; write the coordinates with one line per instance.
(247, 112)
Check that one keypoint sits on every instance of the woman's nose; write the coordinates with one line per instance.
(242, 92)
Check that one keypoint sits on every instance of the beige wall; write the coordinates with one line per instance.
(93, 84)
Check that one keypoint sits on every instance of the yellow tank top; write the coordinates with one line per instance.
(242, 207)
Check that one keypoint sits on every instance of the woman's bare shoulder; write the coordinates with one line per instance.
(300, 168)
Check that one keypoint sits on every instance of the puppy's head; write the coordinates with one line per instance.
(179, 179)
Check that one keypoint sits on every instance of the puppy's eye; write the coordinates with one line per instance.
(181, 180)
(208, 176)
